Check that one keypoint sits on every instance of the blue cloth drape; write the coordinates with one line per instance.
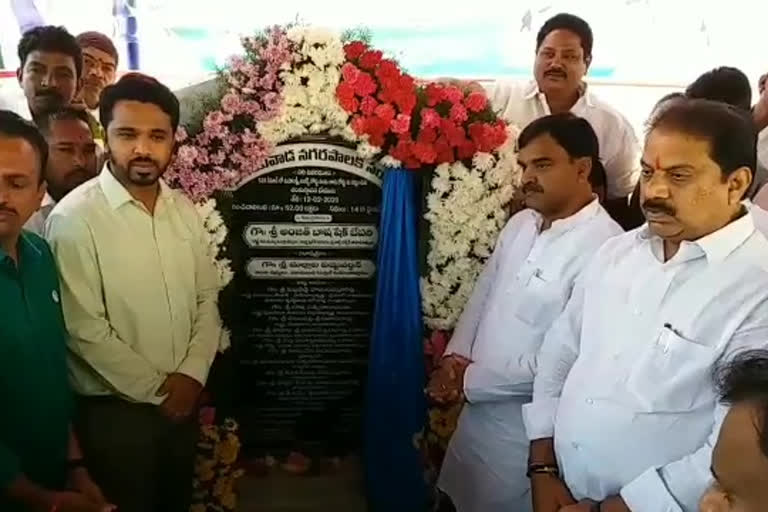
(395, 402)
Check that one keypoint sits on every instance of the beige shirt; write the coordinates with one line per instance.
(139, 291)
(520, 103)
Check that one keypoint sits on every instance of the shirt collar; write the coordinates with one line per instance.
(47, 201)
(575, 220)
(718, 245)
(532, 91)
(116, 193)
(25, 248)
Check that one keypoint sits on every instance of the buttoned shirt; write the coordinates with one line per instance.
(520, 103)
(35, 398)
(139, 289)
(522, 289)
(624, 381)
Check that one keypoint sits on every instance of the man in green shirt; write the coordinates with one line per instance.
(39, 456)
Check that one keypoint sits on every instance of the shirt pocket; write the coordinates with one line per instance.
(541, 301)
(672, 374)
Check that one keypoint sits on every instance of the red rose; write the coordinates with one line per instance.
(405, 99)
(427, 135)
(476, 102)
(402, 150)
(454, 133)
(434, 94)
(368, 105)
(386, 112)
(359, 125)
(453, 94)
(370, 59)
(444, 151)
(350, 72)
(424, 152)
(430, 118)
(466, 150)
(349, 104)
(354, 49)
(345, 90)
(387, 69)
(401, 124)
(459, 113)
(365, 85)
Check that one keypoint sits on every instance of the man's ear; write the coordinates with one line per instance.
(584, 166)
(588, 61)
(19, 74)
(738, 184)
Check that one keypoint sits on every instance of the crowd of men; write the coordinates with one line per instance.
(600, 370)
(585, 358)
(110, 321)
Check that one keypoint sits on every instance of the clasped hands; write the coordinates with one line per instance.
(446, 385)
(182, 394)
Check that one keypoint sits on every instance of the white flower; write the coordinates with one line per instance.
(391, 162)
(466, 212)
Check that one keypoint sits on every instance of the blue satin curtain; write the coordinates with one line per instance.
(395, 402)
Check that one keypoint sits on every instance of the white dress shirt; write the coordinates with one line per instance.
(624, 381)
(139, 289)
(522, 289)
(520, 103)
(36, 223)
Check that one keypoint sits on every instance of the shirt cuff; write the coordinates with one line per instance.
(195, 367)
(648, 493)
(539, 418)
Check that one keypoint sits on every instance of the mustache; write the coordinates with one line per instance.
(531, 187)
(556, 72)
(142, 160)
(8, 209)
(49, 93)
(654, 206)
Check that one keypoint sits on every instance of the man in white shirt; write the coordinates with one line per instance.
(50, 69)
(71, 159)
(740, 457)
(523, 288)
(139, 295)
(563, 56)
(624, 377)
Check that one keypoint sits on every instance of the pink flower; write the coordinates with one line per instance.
(401, 124)
(368, 105)
(231, 103)
(453, 94)
(350, 72)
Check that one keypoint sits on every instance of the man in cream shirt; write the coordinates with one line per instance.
(625, 413)
(563, 56)
(139, 294)
(522, 289)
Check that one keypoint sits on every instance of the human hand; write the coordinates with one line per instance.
(550, 494)
(447, 383)
(183, 393)
(614, 504)
(80, 480)
(77, 502)
(582, 506)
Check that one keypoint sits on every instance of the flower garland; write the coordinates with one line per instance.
(466, 212)
(301, 80)
(216, 475)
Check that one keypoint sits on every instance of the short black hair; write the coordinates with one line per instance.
(574, 134)
(730, 130)
(726, 84)
(45, 121)
(138, 87)
(572, 23)
(49, 38)
(744, 379)
(15, 127)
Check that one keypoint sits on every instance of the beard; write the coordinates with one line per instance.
(141, 172)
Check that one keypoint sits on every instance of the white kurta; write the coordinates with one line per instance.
(624, 379)
(520, 103)
(522, 289)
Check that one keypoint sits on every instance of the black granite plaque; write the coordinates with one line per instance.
(304, 231)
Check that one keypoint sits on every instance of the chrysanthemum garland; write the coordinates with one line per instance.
(300, 80)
